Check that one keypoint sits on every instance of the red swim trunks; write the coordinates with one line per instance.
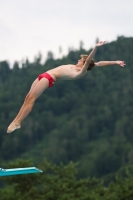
(46, 75)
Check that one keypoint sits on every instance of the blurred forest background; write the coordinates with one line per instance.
(88, 122)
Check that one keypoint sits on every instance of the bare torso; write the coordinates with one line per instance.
(67, 72)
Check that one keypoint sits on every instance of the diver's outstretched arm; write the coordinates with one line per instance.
(91, 55)
(106, 63)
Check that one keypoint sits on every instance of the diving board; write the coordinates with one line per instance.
(18, 171)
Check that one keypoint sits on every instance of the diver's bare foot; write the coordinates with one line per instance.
(13, 126)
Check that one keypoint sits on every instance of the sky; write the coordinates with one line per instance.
(30, 27)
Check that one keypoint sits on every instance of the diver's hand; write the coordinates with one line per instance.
(100, 43)
(121, 63)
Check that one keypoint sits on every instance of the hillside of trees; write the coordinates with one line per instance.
(87, 121)
(61, 183)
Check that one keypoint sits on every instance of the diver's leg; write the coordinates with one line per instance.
(32, 87)
(28, 103)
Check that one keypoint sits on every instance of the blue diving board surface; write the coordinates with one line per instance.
(18, 171)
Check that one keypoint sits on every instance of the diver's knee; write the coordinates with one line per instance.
(30, 98)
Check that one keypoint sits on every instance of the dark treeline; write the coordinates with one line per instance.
(61, 183)
(88, 121)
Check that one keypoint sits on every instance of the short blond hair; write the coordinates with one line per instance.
(84, 57)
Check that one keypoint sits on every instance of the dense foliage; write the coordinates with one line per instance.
(88, 121)
(61, 183)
